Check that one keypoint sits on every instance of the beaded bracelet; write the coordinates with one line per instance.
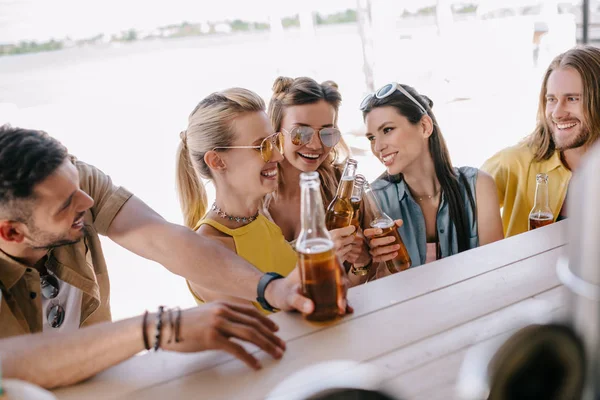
(158, 328)
(145, 331)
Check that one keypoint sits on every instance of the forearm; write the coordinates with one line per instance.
(58, 359)
(206, 262)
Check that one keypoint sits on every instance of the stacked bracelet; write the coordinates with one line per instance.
(173, 321)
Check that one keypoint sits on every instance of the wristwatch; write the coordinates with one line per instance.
(260, 290)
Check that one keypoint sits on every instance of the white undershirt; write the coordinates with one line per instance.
(69, 297)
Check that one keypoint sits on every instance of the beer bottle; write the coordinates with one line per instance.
(340, 211)
(356, 201)
(382, 221)
(541, 214)
(320, 270)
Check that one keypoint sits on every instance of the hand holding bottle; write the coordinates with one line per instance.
(343, 240)
(382, 248)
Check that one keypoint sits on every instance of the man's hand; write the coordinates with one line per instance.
(286, 294)
(212, 326)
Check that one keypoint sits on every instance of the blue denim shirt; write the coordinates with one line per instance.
(397, 202)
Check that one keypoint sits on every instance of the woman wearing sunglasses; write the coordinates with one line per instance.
(306, 113)
(440, 210)
(230, 141)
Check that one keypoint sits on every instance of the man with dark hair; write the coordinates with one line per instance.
(53, 276)
(568, 123)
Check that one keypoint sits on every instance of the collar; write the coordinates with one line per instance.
(554, 162)
(404, 193)
(11, 271)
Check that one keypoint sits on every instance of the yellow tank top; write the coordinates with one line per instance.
(261, 243)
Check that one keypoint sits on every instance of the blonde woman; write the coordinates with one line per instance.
(230, 141)
(306, 113)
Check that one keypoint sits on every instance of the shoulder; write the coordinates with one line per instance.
(469, 173)
(485, 182)
(384, 182)
(520, 154)
(87, 171)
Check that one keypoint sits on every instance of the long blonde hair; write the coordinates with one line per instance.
(586, 61)
(210, 125)
(288, 92)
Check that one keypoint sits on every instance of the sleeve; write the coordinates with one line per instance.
(108, 198)
(499, 170)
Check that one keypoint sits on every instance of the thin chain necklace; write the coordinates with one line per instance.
(222, 214)
(427, 196)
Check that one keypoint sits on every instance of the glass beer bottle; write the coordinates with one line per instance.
(382, 221)
(541, 213)
(340, 211)
(356, 201)
(320, 270)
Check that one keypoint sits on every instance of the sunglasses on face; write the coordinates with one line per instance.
(301, 135)
(50, 289)
(266, 147)
(386, 91)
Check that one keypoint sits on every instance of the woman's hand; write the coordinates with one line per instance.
(343, 240)
(382, 248)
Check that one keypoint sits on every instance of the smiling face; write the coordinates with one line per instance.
(395, 141)
(310, 156)
(245, 168)
(564, 109)
(59, 207)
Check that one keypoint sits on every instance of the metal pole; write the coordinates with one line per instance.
(586, 18)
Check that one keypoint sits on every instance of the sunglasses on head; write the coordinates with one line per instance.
(50, 289)
(386, 91)
(267, 146)
(301, 135)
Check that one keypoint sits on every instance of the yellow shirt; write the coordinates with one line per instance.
(81, 265)
(514, 171)
(261, 243)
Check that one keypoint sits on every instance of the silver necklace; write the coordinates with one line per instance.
(222, 214)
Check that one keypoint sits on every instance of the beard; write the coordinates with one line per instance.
(579, 140)
(40, 240)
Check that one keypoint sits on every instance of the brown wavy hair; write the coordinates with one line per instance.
(586, 61)
(446, 174)
(289, 92)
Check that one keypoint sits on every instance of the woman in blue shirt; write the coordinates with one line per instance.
(440, 210)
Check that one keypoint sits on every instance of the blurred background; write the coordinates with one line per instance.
(115, 80)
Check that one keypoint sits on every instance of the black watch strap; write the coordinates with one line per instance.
(262, 285)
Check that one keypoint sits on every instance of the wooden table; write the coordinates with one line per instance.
(416, 326)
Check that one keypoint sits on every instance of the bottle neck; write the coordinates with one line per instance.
(372, 205)
(345, 187)
(346, 184)
(541, 195)
(311, 210)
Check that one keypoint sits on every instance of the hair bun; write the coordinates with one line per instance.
(331, 83)
(428, 100)
(282, 84)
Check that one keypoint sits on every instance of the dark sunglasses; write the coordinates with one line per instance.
(50, 289)
(386, 91)
(267, 146)
(301, 135)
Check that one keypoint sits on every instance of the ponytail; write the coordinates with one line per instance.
(190, 189)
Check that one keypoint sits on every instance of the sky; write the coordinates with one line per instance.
(44, 19)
